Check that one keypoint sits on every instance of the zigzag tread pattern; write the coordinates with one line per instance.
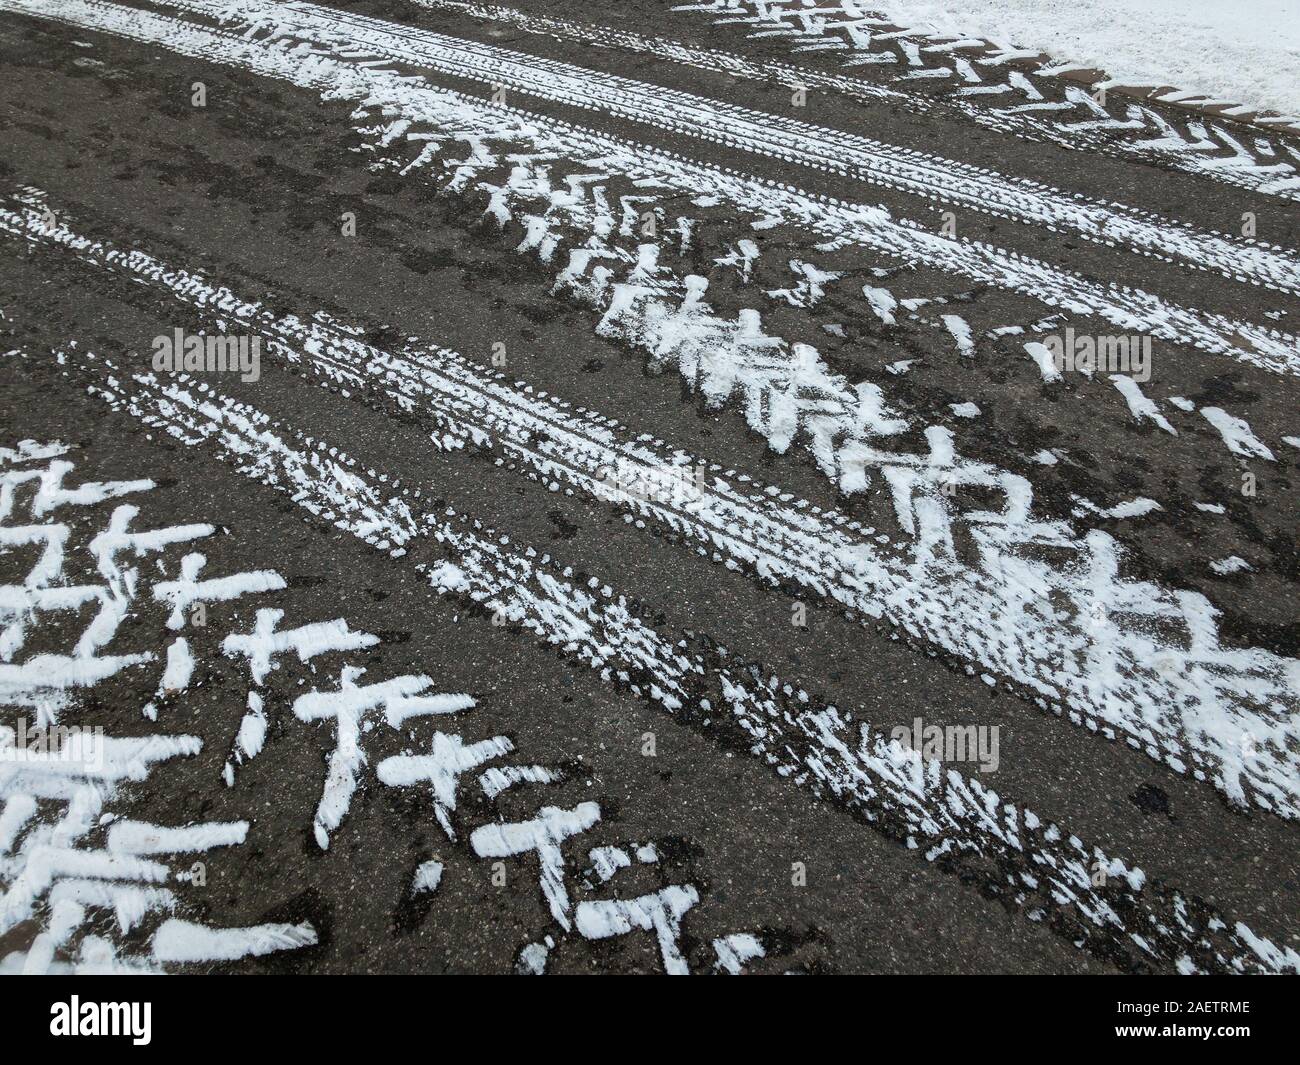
(980, 80)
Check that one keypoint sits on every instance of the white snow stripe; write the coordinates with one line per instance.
(764, 134)
(735, 950)
(129, 902)
(48, 776)
(186, 591)
(32, 451)
(137, 837)
(660, 913)
(961, 333)
(1141, 407)
(1237, 434)
(52, 875)
(180, 941)
(823, 148)
(710, 59)
(18, 810)
(860, 38)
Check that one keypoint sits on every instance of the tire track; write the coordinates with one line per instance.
(649, 308)
(835, 222)
(1040, 870)
(1044, 109)
(764, 135)
(1219, 713)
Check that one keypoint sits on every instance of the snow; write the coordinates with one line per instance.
(250, 737)
(16, 812)
(532, 959)
(264, 644)
(1142, 408)
(961, 333)
(660, 913)
(1237, 434)
(496, 780)
(180, 667)
(136, 837)
(1046, 363)
(606, 861)
(544, 834)
(1246, 53)
(52, 494)
(187, 591)
(448, 759)
(183, 941)
(1133, 508)
(882, 301)
(1073, 661)
(349, 706)
(734, 950)
(427, 878)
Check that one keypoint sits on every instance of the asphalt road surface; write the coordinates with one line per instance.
(635, 488)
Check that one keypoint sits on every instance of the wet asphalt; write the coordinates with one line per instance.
(249, 189)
